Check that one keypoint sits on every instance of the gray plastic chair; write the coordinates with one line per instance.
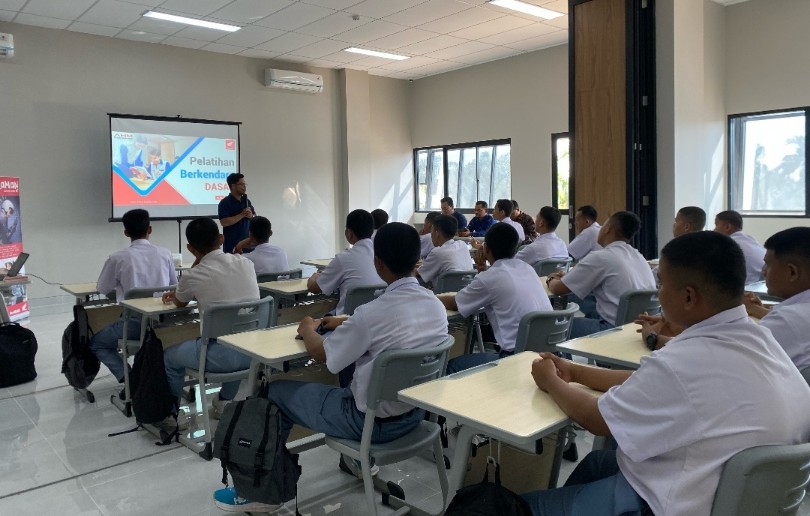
(541, 331)
(224, 319)
(393, 371)
(806, 374)
(546, 267)
(763, 480)
(275, 276)
(453, 281)
(361, 295)
(634, 302)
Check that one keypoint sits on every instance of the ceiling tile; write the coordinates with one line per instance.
(344, 57)
(113, 13)
(41, 21)
(452, 53)
(367, 62)
(250, 36)
(295, 16)
(487, 55)
(560, 23)
(144, 37)
(368, 32)
(382, 8)
(401, 39)
(408, 64)
(259, 54)
(223, 49)
(148, 3)
(288, 42)
(540, 42)
(325, 63)
(321, 49)
(420, 14)
(334, 4)
(183, 42)
(461, 20)
(561, 6)
(291, 58)
(334, 24)
(530, 31)
(156, 26)
(62, 10)
(12, 5)
(7, 16)
(249, 11)
(98, 30)
(482, 30)
(200, 33)
(197, 7)
(431, 45)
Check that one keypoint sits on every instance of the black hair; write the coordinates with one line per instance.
(732, 217)
(515, 205)
(710, 261)
(234, 178)
(483, 204)
(447, 225)
(398, 246)
(792, 242)
(694, 216)
(432, 216)
(448, 200)
(361, 223)
(551, 216)
(588, 211)
(261, 229)
(505, 205)
(153, 150)
(136, 223)
(501, 240)
(202, 234)
(627, 223)
(380, 217)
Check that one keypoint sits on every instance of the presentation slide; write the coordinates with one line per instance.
(173, 167)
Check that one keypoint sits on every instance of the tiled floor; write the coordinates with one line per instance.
(56, 457)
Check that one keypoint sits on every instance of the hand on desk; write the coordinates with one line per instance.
(308, 325)
(475, 243)
(464, 232)
(548, 368)
(331, 322)
(754, 306)
(555, 275)
(168, 297)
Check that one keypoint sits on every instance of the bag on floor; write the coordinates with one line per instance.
(488, 499)
(249, 447)
(79, 364)
(18, 347)
(152, 400)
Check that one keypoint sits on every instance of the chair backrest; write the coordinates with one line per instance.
(360, 295)
(138, 293)
(540, 331)
(275, 276)
(453, 281)
(806, 374)
(546, 267)
(763, 480)
(634, 302)
(398, 369)
(226, 318)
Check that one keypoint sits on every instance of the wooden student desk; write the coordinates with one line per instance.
(318, 263)
(292, 289)
(500, 400)
(621, 346)
(86, 294)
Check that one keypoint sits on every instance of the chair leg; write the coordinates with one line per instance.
(440, 468)
(368, 484)
(204, 404)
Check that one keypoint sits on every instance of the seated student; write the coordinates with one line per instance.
(507, 290)
(587, 231)
(526, 222)
(731, 223)
(502, 212)
(405, 316)
(547, 244)
(353, 267)
(425, 240)
(607, 274)
(215, 277)
(672, 418)
(141, 265)
(266, 257)
(447, 254)
(787, 275)
(380, 217)
(448, 209)
(689, 219)
(479, 224)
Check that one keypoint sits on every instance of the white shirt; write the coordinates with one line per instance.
(218, 278)
(607, 274)
(721, 386)
(405, 316)
(585, 242)
(427, 245)
(351, 268)
(141, 265)
(452, 255)
(790, 325)
(754, 256)
(545, 246)
(506, 291)
(516, 225)
(268, 258)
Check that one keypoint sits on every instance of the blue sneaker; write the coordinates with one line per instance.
(227, 500)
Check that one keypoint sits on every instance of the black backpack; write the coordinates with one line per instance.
(79, 364)
(152, 401)
(488, 499)
(249, 447)
(18, 347)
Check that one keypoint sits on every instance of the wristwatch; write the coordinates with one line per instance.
(651, 341)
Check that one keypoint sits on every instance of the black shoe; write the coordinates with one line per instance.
(123, 394)
(571, 453)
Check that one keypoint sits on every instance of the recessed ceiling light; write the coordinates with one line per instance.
(534, 10)
(191, 21)
(375, 53)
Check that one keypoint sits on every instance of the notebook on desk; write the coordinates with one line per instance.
(15, 267)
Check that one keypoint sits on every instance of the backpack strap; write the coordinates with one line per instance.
(226, 444)
(258, 462)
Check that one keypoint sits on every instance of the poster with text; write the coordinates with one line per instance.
(11, 245)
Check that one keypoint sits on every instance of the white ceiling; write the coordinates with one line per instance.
(438, 35)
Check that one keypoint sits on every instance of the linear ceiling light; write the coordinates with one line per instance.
(191, 21)
(534, 10)
(374, 53)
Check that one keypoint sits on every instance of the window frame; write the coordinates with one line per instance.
(733, 190)
(457, 146)
(555, 171)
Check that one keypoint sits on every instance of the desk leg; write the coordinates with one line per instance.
(458, 466)
(554, 476)
(253, 375)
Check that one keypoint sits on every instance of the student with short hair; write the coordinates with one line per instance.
(405, 316)
(526, 222)
(448, 254)
(730, 223)
(380, 217)
(215, 277)
(353, 267)
(587, 232)
(479, 224)
(266, 257)
(688, 220)
(547, 245)
(606, 274)
(425, 239)
(787, 276)
(502, 212)
(507, 290)
(673, 419)
(449, 209)
(141, 265)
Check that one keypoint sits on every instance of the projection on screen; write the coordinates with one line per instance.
(173, 167)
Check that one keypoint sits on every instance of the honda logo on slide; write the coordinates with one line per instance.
(230, 144)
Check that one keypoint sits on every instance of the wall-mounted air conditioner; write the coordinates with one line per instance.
(297, 81)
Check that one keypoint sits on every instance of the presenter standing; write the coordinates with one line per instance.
(235, 212)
